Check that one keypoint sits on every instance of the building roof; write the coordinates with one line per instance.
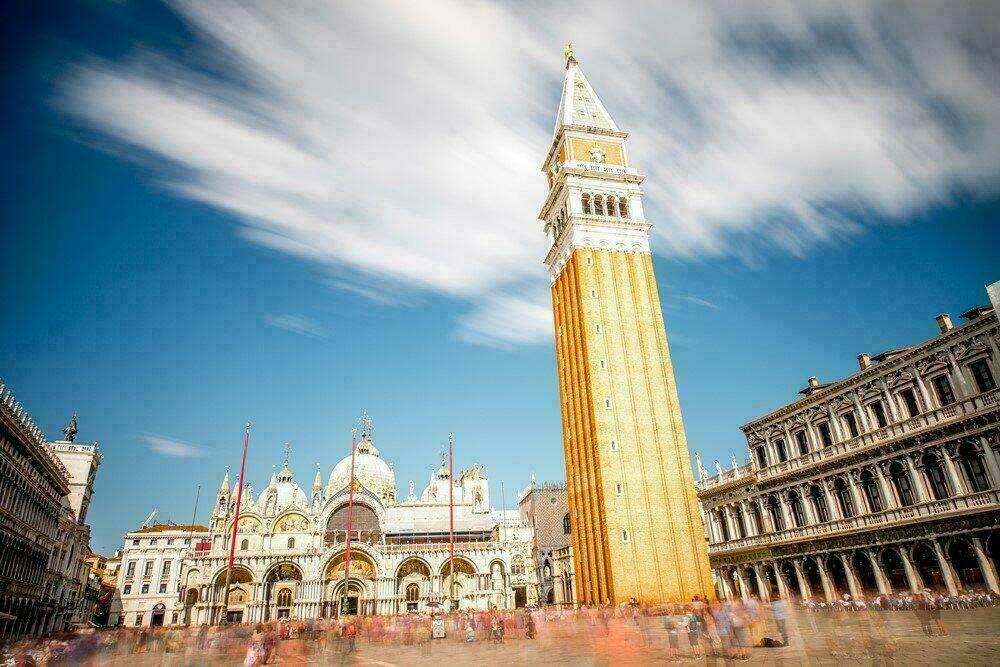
(579, 105)
(170, 527)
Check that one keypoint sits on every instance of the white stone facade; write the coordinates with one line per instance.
(884, 481)
(291, 545)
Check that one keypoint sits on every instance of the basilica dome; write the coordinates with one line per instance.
(369, 470)
(282, 492)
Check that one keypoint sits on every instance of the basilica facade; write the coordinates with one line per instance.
(291, 550)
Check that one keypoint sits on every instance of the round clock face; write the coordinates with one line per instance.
(596, 154)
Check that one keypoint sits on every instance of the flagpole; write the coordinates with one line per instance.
(236, 526)
(451, 517)
(350, 518)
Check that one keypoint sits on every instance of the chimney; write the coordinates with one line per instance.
(944, 322)
(864, 361)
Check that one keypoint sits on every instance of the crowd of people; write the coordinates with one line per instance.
(726, 630)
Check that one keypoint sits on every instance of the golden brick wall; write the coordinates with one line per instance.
(666, 556)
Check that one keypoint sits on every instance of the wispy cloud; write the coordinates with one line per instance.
(413, 161)
(299, 324)
(506, 320)
(174, 448)
(697, 301)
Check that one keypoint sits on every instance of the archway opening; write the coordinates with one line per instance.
(895, 571)
(864, 573)
(814, 580)
(365, 526)
(838, 575)
(966, 565)
(355, 598)
(788, 570)
(926, 563)
(413, 581)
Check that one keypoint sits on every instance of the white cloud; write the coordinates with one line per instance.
(506, 320)
(399, 143)
(697, 301)
(173, 448)
(299, 324)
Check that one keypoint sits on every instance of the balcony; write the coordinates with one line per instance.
(898, 429)
(896, 515)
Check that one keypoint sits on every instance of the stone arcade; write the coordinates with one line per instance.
(291, 544)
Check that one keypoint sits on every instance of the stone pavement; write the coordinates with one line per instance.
(816, 639)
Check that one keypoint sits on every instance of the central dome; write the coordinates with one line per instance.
(369, 470)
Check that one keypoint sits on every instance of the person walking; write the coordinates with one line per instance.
(780, 613)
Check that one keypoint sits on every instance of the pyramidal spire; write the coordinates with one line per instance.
(318, 482)
(224, 487)
(579, 105)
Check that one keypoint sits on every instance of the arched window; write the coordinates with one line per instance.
(971, 462)
(798, 516)
(741, 526)
(843, 493)
(623, 207)
(758, 520)
(285, 598)
(566, 525)
(291, 542)
(936, 476)
(869, 484)
(777, 518)
(412, 592)
(612, 206)
(723, 525)
(819, 504)
(244, 545)
(517, 565)
(761, 454)
(901, 481)
(599, 205)
(586, 204)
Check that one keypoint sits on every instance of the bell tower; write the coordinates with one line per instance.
(636, 528)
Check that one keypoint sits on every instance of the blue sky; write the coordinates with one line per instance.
(325, 212)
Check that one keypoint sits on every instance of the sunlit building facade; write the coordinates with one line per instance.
(884, 481)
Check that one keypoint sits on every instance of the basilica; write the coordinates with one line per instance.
(291, 545)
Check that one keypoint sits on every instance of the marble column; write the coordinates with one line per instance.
(852, 581)
(912, 576)
(862, 414)
(918, 481)
(890, 402)
(922, 387)
(989, 572)
(804, 589)
(783, 591)
(991, 461)
(835, 431)
(763, 586)
(832, 506)
(828, 588)
(741, 582)
(860, 502)
(963, 387)
(945, 564)
(888, 493)
(957, 483)
(881, 580)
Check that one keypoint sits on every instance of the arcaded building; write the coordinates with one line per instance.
(880, 482)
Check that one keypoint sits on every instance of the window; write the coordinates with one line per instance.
(878, 411)
(148, 569)
(800, 440)
(170, 541)
(597, 327)
(614, 446)
(723, 525)
(901, 480)
(285, 597)
(135, 543)
(983, 376)
(566, 528)
(291, 542)
(163, 588)
(842, 492)
(775, 511)
(165, 572)
(755, 516)
(586, 204)
(910, 401)
(138, 619)
(173, 618)
(819, 504)
(604, 365)
(517, 565)
(942, 387)
(131, 569)
(741, 526)
(779, 446)
(852, 424)
(593, 294)
(971, 462)
(187, 541)
(824, 434)
(935, 475)
(244, 545)
(127, 590)
(599, 205)
(761, 456)
(798, 516)
(607, 402)
(412, 592)
(619, 489)
(869, 484)
(623, 207)
(144, 589)
(625, 536)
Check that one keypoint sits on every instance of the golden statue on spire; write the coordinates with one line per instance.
(568, 51)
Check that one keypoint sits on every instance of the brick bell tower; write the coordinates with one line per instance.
(636, 528)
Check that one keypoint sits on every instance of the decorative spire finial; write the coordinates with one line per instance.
(568, 52)
(71, 430)
(287, 450)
